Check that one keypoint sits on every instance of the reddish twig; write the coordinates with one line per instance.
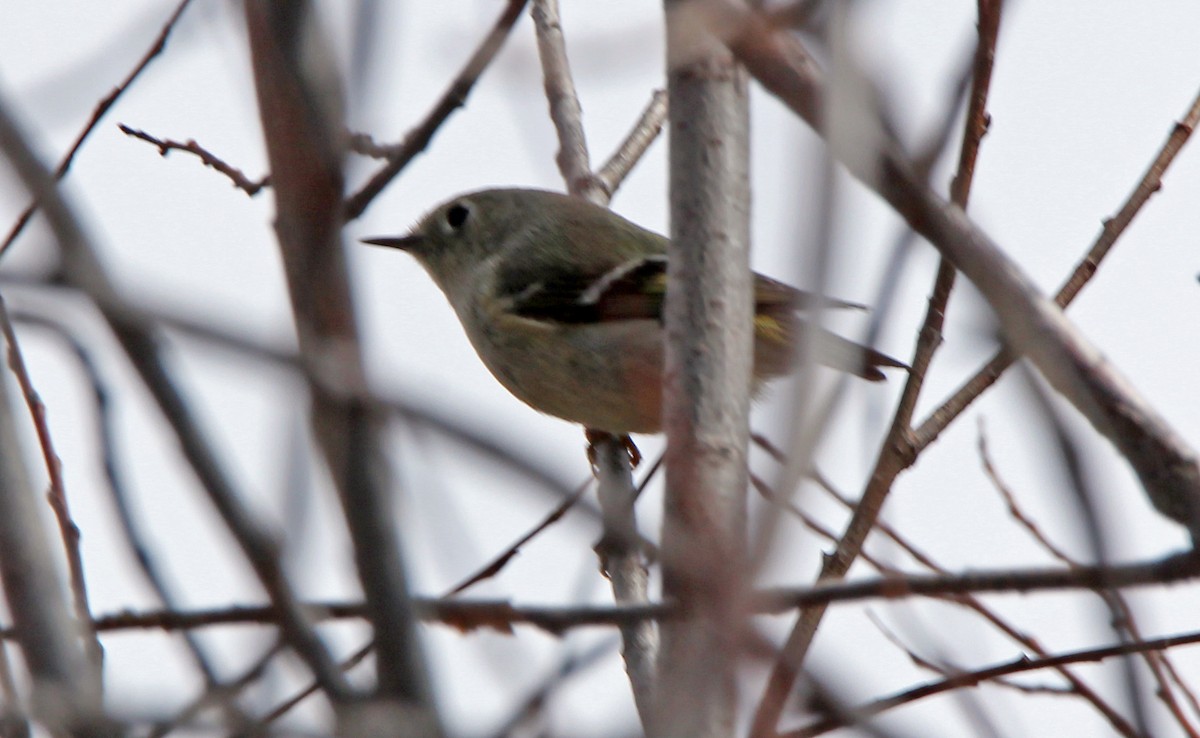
(57, 496)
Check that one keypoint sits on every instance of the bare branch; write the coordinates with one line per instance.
(620, 556)
(502, 615)
(106, 438)
(1035, 326)
(67, 692)
(708, 318)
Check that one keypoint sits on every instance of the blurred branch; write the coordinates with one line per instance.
(1035, 326)
(409, 407)
(1026, 641)
(223, 696)
(284, 707)
(1120, 616)
(896, 453)
(490, 569)
(83, 270)
(299, 105)
(537, 700)
(101, 108)
(66, 691)
(209, 159)
(454, 98)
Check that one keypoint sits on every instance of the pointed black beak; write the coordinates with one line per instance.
(404, 243)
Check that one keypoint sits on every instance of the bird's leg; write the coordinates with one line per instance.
(595, 437)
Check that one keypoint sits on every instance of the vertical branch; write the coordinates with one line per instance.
(709, 319)
(620, 549)
(299, 103)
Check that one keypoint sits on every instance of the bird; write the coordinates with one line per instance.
(562, 299)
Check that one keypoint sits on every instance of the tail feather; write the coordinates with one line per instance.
(776, 354)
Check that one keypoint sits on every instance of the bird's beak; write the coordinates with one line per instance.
(404, 243)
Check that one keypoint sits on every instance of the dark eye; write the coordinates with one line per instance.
(456, 216)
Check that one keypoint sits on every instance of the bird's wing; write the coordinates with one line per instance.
(629, 290)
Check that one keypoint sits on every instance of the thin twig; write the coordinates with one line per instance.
(537, 699)
(223, 695)
(83, 270)
(631, 150)
(1022, 664)
(101, 108)
(490, 569)
(284, 707)
(1028, 642)
(209, 159)
(1157, 663)
(454, 98)
(621, 555)
(1010, 501)
(36, 601)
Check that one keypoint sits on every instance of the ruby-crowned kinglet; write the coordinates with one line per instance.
(563, 299)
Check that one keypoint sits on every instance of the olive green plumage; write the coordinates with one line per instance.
(562, 300)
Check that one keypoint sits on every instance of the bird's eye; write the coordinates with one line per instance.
(456, 216)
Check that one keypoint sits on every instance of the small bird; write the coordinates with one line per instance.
(563, 301)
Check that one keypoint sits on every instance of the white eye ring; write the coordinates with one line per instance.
(456, 217)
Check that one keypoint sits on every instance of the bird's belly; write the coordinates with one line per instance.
(605, 376)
